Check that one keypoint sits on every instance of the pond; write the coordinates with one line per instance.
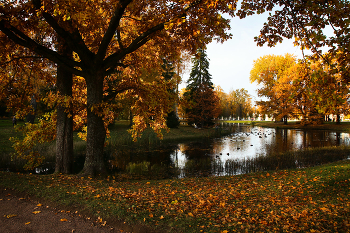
(247, 149)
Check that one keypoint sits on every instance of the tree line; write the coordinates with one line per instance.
(309, 89)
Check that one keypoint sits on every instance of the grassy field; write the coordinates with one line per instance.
(306, 200)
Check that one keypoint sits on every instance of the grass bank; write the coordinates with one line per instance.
(119, 138)
(315, 199)
(120, 135)
(342, 127)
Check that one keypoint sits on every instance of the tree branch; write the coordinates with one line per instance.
(112, 61)
(20, 38)
(304, 30)
(19, 58)
(74, 40)
(113, 25)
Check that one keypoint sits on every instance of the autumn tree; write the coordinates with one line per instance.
(223, 101)
(314, 25)
(335, 90)
(240, 103)
(105, 38)
(236, 103)
(269, 72)
(318, 91)
(170, 75)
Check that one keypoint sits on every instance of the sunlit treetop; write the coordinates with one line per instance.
(314, 25)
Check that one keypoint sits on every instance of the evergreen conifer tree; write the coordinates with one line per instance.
(200, 72)
(202, 103)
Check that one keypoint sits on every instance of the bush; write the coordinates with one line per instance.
(138, 168)
(172, 120)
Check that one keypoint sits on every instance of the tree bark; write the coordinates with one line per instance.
(64, 124)
(338, 119)
(94, 162)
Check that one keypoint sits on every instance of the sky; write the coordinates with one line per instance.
(231, 61)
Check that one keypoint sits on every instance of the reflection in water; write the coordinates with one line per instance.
(236, 152)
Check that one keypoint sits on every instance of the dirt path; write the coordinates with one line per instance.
(21, 213)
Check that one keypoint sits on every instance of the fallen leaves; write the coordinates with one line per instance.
(10, 215)
(36, 212)
(290, 201)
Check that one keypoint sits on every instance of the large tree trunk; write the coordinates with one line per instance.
(96, 133)
(64, 125)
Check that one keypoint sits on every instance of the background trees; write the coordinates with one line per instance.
(235, 104)
(240, 103)
(315, 25)
(322, 91)
(309, 89)
(169, 74)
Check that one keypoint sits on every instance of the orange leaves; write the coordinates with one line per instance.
(296, 200)
(153, 102)
(10, 215)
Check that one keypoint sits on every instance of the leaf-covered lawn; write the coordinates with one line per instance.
(309, 200)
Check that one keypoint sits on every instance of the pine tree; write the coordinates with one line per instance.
(202, 103)
(200, 72)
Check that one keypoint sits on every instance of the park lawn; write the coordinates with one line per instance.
(315, 199)
(6, 131)
(342, 127)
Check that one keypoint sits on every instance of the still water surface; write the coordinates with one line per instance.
(248, 142)
(245, 142)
